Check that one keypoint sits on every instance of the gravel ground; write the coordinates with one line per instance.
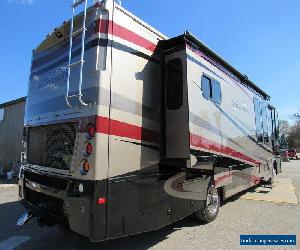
(237, 216)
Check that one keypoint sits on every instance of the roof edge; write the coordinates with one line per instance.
(243, 78)
(5, 104)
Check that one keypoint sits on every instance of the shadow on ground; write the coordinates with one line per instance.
(55, 238)
(59, 239)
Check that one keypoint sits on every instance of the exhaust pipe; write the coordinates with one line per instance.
(24, 218)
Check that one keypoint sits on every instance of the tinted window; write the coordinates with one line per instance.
(206, 87)
(174, 84)
(258, 121)
(273, 121)
(264, 121)
(211, 89)
(276, 125)
(264, 118)
(270, 121)
(216, 92)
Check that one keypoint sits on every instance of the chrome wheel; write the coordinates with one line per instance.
(212, 200)
(211, 207)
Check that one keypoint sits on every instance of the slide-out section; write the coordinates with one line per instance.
(175, 128)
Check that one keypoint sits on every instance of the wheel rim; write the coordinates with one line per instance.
(212, 201)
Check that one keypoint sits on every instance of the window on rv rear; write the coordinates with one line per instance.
(211, 89)
(174, 84)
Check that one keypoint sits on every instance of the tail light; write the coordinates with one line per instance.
(101, 201)
(84, 167)
(91, 130)
(89, 148)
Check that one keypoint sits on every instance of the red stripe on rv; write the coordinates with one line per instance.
(202, 142)
(252, 178)
(105, 125)
(107, 26)
(222, 178)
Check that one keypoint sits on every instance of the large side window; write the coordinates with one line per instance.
(270, 122)
(264, 122)
(272, 125)
(275, 124)
(258, 120)
(211, 89)
(174, 84)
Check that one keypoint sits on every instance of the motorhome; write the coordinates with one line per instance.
(127, 130)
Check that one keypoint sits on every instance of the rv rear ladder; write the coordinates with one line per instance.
(71, 64)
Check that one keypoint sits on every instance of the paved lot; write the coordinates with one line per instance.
(237, 216)
(281, 191)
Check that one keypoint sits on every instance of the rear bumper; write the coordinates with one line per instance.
(60, 201)
(46, 216)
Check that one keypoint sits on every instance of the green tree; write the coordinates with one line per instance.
(293, 137)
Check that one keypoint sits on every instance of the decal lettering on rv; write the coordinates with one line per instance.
(241, 107)
(53, 82)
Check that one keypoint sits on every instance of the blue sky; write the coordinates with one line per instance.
(261, 38)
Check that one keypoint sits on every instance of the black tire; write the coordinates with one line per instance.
(270, 181)
(212, 205)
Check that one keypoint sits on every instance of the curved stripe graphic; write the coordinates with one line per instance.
(202, 142)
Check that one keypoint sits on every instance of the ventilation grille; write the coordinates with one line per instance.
(52, 145)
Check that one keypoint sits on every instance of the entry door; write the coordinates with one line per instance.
(176, 132)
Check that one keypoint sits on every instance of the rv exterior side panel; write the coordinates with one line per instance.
(134, 128)
(225, 130)
(135, 96)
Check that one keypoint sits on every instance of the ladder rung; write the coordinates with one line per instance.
(78, 31)
(75, 63)
(71, 96)
(76, 3)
